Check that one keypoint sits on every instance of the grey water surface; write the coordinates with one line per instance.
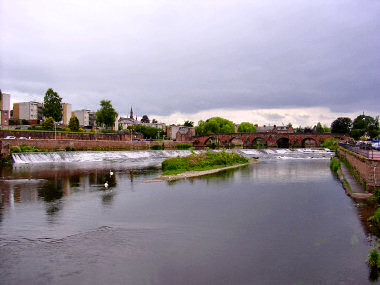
(284, 220)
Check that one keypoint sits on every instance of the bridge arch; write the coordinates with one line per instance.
(309, 142)
(259, 142)
(212, 142)
(236, 141)
(283, 142)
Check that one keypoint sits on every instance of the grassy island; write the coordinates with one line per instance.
(200, 162)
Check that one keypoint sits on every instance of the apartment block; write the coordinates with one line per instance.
(66, 113)
(86, 117)
(30, 111)
(5, 106)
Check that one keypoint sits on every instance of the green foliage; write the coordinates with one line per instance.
(154, 121)
(331, 143)
(150, 132)
(326, 129)
(341, 125)
(48, 124)
(24, 122)
(74, 124)
(203, 161)
(365, 124)
(215, 125)
(12, 122)
(15, 149)
(319, 128)
(246, 127)
(52, 105)
(183, 146)
(106, 115)
(259, 143)
(156, 147)
(374, 258)
(69, 148)
(334, 165)
(375, 219)
(189, 124)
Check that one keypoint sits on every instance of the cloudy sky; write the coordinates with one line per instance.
(263, 61)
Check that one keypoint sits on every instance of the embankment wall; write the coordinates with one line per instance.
(367, 171)
(87, 144)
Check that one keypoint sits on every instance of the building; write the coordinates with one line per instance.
(86, 118)
(180, 133)
(30, 111)
(66, 113)
(5, 106)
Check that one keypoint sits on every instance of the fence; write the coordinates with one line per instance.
(366, 152)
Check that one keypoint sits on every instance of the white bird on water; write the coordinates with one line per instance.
(111, 173)
(106, 184)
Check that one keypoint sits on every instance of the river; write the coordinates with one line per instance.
(283, 220)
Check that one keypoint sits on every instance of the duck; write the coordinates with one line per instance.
(106, 184)
(111, 173)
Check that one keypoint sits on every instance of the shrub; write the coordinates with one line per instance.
(373, 258)
(156, 147)
(183, 146)
(69, 148)
(74, 124)
(375, 219)
(15, 149)
(48, 124)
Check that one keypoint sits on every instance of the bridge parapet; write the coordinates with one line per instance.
(271, 139)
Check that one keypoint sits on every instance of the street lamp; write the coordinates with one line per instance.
(55, 130)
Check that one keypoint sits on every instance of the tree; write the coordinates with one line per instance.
(189, 124)
(52, 105)
(150, 132)
(326, 129)
(365, 124)
(106, 115)
(341, 125)
(48, 124)
(319, 128)
(74, 124)
(215, 125)
(246, 127)
(145, 119)
(154, 121)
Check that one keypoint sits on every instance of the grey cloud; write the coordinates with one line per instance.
(162, 57)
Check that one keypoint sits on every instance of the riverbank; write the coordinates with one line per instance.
(190, 174)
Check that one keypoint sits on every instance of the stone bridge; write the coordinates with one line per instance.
(284, 140)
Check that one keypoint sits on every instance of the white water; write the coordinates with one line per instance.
(157, 155)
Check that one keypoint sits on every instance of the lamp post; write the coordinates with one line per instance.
(55, 130)
(131, 133)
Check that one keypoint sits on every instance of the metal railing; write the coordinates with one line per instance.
(365, 151)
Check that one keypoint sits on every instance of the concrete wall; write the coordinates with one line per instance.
(367, 170)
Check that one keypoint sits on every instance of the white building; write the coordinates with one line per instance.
(86, 117)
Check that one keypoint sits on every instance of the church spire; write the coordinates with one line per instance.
(131, 114)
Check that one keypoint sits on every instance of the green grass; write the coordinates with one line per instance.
(199, 162)
(156, 147)
(334, 165)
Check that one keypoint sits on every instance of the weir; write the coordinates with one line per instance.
(152, 156)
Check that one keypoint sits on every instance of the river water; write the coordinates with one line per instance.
(283, 220)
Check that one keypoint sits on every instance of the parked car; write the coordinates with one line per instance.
(376, 145)
(22, 138)
(10, 137)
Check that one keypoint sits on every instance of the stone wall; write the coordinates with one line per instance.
(89, 145)
(366, 170)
